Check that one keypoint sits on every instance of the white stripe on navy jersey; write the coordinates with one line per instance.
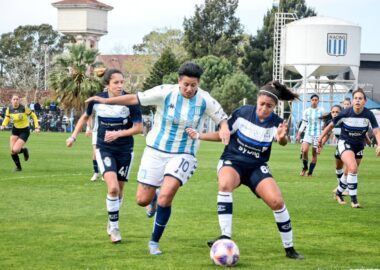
(174, 114)
(354, 125)
(254, 133)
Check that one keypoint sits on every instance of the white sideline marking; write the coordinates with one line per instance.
(38, 176)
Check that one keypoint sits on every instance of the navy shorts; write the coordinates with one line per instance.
(356, 148)
(117, 162)
(22, 133)
(250, 176)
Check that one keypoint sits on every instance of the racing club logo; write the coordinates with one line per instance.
(337, 44)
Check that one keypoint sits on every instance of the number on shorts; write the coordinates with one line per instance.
(123, 171)
(184, 165)
(264, 169)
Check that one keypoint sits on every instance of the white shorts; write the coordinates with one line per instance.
(312, 140)
(156, 164)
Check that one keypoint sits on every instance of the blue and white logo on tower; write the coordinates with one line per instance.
(337, 44)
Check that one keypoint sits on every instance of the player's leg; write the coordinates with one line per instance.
(108, 168)
(228, 180)
(352, 162)
(178, 170)
(269, 191)
(305, 158)
(94, 164)
(168, 190)
(16, 144)
(150, 177)
(313, 162)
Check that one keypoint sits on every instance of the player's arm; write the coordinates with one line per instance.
(111, 136)
(209, 136)
(89, 127)
(82, 120)
(7, 118)
(130, 99)
(35, 120)
(281, 135)
(301, 129)
(376, 133)
(327, 130)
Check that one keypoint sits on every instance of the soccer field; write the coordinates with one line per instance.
(54, 217)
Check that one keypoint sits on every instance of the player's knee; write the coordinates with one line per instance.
(353, 169)
(276, 203)
(113, 191)
(142, 200)
(15, 150)
(164, 200)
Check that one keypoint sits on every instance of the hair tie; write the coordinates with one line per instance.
(270, 93)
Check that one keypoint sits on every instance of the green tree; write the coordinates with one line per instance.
(165, 65)
(24, 55)
(214, 30)
(257, 62)
(158, 40)
(215, 70)
(236, 88)
(72, 77)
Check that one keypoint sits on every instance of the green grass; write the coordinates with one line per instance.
(53, 217)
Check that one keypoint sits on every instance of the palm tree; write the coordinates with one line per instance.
(72, 77)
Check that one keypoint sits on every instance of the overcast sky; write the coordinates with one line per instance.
(130, 20)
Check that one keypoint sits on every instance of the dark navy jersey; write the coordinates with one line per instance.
(251, 140)
(354, 126)
(336, 130)
(113, 117)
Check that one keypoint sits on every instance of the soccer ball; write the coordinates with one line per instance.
(225, 252)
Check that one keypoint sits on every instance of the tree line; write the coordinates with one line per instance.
(235, 63)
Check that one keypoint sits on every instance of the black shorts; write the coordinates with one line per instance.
(356, 148)
(22, 133)
(117, 162)
(250, 176)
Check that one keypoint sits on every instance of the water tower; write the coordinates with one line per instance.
(85, 20)
(323, 55)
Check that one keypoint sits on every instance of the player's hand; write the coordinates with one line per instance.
(224, 134)
(319, 146)
(37, 130)
(111, 136)
(282, 130)
(70, 141)
(193, 134)
(298, 137)
(96, 99)
(378, 151)
(88, 132)
(1, 127)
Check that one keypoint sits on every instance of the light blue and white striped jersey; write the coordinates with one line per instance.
(174, 114)
(314, 125)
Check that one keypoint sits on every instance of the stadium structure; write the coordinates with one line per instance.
(315, 55)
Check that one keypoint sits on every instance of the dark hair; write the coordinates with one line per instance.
(327, 116)
(108, 74)
(277, 91)
(314, 95)
(190, 70)
(347, 98)
(359, 90)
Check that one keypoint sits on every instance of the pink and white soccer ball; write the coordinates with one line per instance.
(225, 252)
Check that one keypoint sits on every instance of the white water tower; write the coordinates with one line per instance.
(321, 51)
(321, 46)
(85, 20)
